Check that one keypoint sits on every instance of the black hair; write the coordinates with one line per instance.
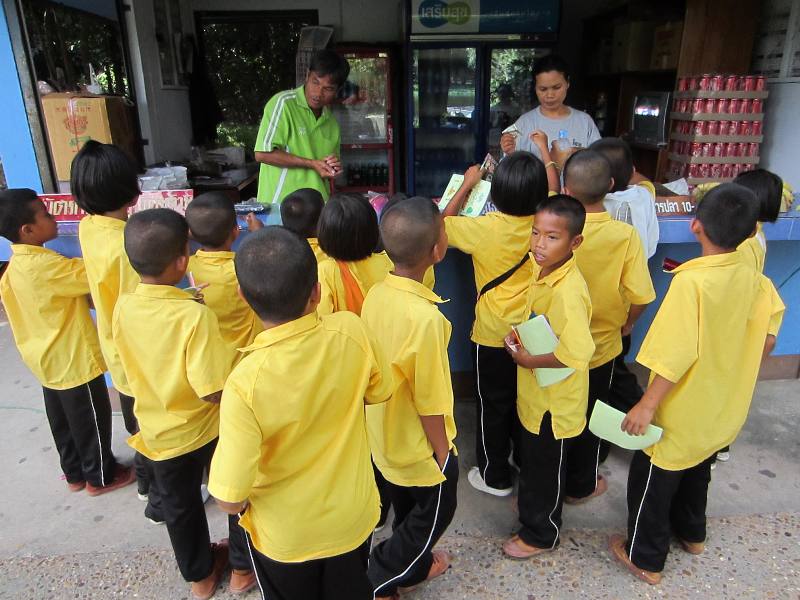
(211, 218)
(103, 178)
(551, 62)
(729, 213)
(17, 208)
(154, 238)
(619, 156)
(327, 62)
(277, 271)
(567, 207)
(348, 228)
(519, 184)
(587, 175)
(768, 189)
(300, 211)
(410, 229)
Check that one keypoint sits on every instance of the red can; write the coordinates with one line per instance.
(694, 170)
(756, 127)
(746, 128)
(723, 128)
(707, 149)
(683, 84)
(716, 170)
(720, 149)
(749, 83)
(733, 128)
(717, 83)
(731, 83)
(713, 127)
(698, 127)
(752, 149)
(723, 105)
(697, 105)
(761, 83)
(733, 149)
(758, 106)
(747, 106)
(683, 105)
(696, 149)
(705, 170)
(704, 82)
(735, 106)
(742, 149)
(709, 106)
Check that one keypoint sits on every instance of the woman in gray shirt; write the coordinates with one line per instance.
(551, 75)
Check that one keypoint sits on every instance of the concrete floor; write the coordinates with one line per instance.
(61, 545)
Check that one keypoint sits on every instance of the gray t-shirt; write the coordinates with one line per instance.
(580, 127)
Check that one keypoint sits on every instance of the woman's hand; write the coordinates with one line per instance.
(508, 143)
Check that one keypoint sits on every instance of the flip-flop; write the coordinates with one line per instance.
(616, 543)
(517, 549)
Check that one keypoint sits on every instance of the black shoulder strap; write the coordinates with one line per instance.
(503, 278)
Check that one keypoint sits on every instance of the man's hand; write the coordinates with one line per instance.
(334, 163)
(253, 222)
(638, 419)
(473, 176)
(322, 168)
(539, 138)
(508, 143)
(560, 156)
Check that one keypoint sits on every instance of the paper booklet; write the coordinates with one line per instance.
(478, 202)
(538, 337)
(606, 421)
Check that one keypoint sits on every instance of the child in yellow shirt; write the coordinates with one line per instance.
(499, 243)
(293, 458)
(212, 223)
(176, 362)
(704, 348)
(411, 435)
(552, 417)
(45, 296)
(300, 212)
(768, 190)
(104, 183)
(614, 265)
(349, 235)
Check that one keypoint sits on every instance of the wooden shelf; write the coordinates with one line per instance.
(690, 137)
(714, 160)
(679, 116)
(759, 95)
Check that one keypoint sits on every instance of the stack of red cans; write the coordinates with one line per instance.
(716, 82)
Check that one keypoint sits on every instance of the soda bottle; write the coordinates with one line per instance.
(563, 143)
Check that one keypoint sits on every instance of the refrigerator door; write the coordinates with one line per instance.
(511, 90)
(445, 116)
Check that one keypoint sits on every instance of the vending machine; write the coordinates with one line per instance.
(468, 77)
(364, 113)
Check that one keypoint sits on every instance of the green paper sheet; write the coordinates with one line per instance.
(606, 421)
(538, 338)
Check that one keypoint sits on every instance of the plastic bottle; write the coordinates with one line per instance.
(563, 143)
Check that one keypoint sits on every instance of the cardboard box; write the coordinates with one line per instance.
(73, 119)
(667, 46)
(632, 46)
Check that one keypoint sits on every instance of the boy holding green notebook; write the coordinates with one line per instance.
(704, 351)
(552, 416)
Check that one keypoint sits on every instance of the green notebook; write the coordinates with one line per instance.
(606, 422)
(537, 337)
(476, 200)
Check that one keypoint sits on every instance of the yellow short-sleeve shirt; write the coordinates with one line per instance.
(562, 297)
(110, 275)
(413, 335)
(707, 338)
(754, 250)
(497, 242)
(173, 354)
(238, 324)
(614, 265)
(293, 439)
(318, 252)
(46, 297)
(367, 273)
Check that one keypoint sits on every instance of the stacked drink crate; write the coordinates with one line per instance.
(716, 127)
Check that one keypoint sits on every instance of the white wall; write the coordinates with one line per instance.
(780, 151)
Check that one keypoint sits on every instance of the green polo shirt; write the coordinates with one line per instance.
(289, 124)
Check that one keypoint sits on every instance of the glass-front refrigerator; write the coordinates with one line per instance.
(468, 76)
(364, 113)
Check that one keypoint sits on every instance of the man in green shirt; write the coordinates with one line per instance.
(298, 141)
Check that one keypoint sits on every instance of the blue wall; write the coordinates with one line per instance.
(16, 143)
